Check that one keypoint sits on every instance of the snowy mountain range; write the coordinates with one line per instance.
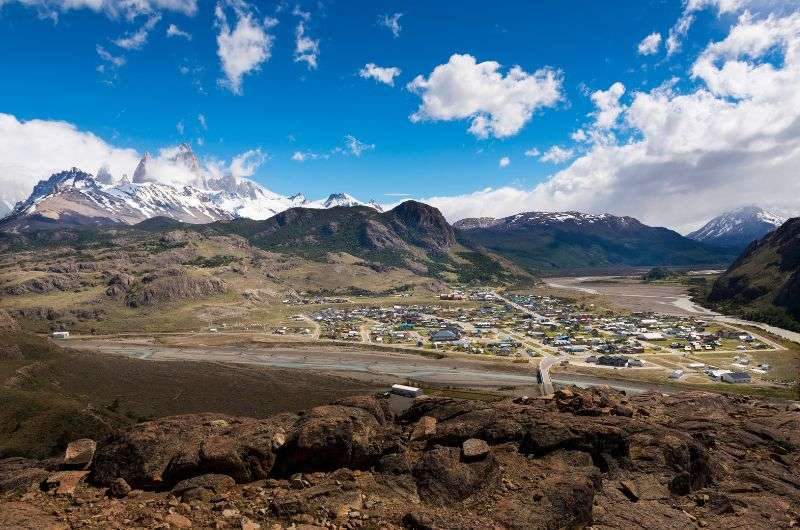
(558, 240)
(74, 197)
(544, 219)
(738, 228)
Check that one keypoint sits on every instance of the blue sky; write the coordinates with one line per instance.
(284, 106)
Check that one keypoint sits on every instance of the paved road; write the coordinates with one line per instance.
(544, 374)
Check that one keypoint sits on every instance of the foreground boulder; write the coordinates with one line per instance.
(158, 454)
(585, 458)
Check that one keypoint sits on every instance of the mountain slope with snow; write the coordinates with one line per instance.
(738, 228)
(557, 240)
(75, 197)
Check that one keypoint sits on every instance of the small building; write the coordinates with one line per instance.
(717, 374)
(407, 391)
(736, 377)
(612, 360)
(651, 336)
(62, 335)
(445, 335)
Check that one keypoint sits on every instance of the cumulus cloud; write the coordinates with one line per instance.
(381, 74)
(532, 152)
(175, 31)
(246, 164)
(180, 127)
(243, 48)
(201, 119)
(608, 106)
(730, 139)
(579, 136)
(392, 22)
(496, 104)
(504, 162)
(650, 44)
(33, 150)
(691, 7)
(556, 155)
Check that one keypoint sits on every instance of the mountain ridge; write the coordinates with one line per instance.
(737, 228)
(75, 197)
(763, 283)
(552, 240)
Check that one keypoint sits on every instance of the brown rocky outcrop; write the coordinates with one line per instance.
(169, 285)
(159, 453)
(681, 461)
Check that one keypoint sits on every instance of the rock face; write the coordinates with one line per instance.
(158, 454)
(681, 461)
(169, 286)
(79, 453)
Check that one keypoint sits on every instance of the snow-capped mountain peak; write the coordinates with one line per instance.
(737, 228)
(77, 197)
(341, 199)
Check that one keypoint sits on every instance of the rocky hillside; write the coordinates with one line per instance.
(412, 235)
(542, 241)
(585, 458)
(175, 275)
(738, 228)
(764, 282)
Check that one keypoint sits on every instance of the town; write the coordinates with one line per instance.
(524, 328)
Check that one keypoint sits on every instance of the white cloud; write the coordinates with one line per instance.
(306, 49)
(650, 44)
(201, 119)
(244, 48)
(579, 136)
(129, 9)
(33, 150)
(681, 28)
(732, 138)
(355, 146)
(392, 22)
(137, 39)
(381, 74)
(532, 152)
(302, 156)
(556, 155)
(179, 127)
(498, 105)
(113, 60)
(246, 164)
(175, 31)
(504, 162)
(607, 105)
